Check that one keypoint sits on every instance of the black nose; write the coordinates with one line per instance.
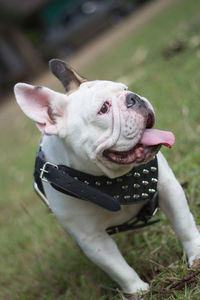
(132, 99)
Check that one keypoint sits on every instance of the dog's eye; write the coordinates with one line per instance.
(105, 108)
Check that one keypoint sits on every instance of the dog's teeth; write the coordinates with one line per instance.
(136, 186)
(153, 169)
(136, 174)
(144, 195)
(152, 191)
(145, 182)
(145, 171)
(154, 180)
(136, 196)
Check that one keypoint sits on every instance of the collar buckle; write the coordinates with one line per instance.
(44, 170)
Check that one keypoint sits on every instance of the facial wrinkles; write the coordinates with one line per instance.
(112, 134)
(132, 125)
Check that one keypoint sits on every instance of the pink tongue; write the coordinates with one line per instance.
(153, 137)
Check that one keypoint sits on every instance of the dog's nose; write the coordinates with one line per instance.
(132, 99)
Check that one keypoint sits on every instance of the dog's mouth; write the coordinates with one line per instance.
(148, 146)
(137, 154)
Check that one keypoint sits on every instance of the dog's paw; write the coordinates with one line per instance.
(194, 261)
(126, 296)
(195, 264)
(131, 297)
(193, 254)
(139, 290)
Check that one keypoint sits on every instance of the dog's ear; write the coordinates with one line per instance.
(42, 105)
(67, 75)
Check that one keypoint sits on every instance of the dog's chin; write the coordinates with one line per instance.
(139, 154)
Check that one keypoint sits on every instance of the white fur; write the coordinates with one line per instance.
(76, 135)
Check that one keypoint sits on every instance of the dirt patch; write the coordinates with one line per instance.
(92, 50)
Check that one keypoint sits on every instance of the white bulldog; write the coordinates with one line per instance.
(101, 128)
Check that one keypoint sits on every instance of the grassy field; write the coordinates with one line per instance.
(38, 259)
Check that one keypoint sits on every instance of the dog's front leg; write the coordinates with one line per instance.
(173, 202)
(103, 251)
(85, 222)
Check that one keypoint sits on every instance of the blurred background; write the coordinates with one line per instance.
(34, 31)
(154, 48)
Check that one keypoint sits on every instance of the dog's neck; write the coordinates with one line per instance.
(57, 152)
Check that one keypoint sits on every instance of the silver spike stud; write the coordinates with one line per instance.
(136, 196)
(145, 171)
(98, 183)
(136, 174)
(145, 195)
(136, 186)
(154, 180)
(124, 187)
(145, 182)
(86, 182)
(153, 169)
(152, 191)
(127, 197)
(119, 179)
(108, 182)
(116, 197)
(129, 175)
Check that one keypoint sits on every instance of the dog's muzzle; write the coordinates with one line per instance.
(133, 101)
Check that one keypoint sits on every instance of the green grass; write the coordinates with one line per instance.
(38, 259)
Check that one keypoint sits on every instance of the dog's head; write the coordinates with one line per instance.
(101, 121)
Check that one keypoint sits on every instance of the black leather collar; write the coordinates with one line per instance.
(137, 186)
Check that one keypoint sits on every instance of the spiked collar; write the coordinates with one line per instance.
(137, 186)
